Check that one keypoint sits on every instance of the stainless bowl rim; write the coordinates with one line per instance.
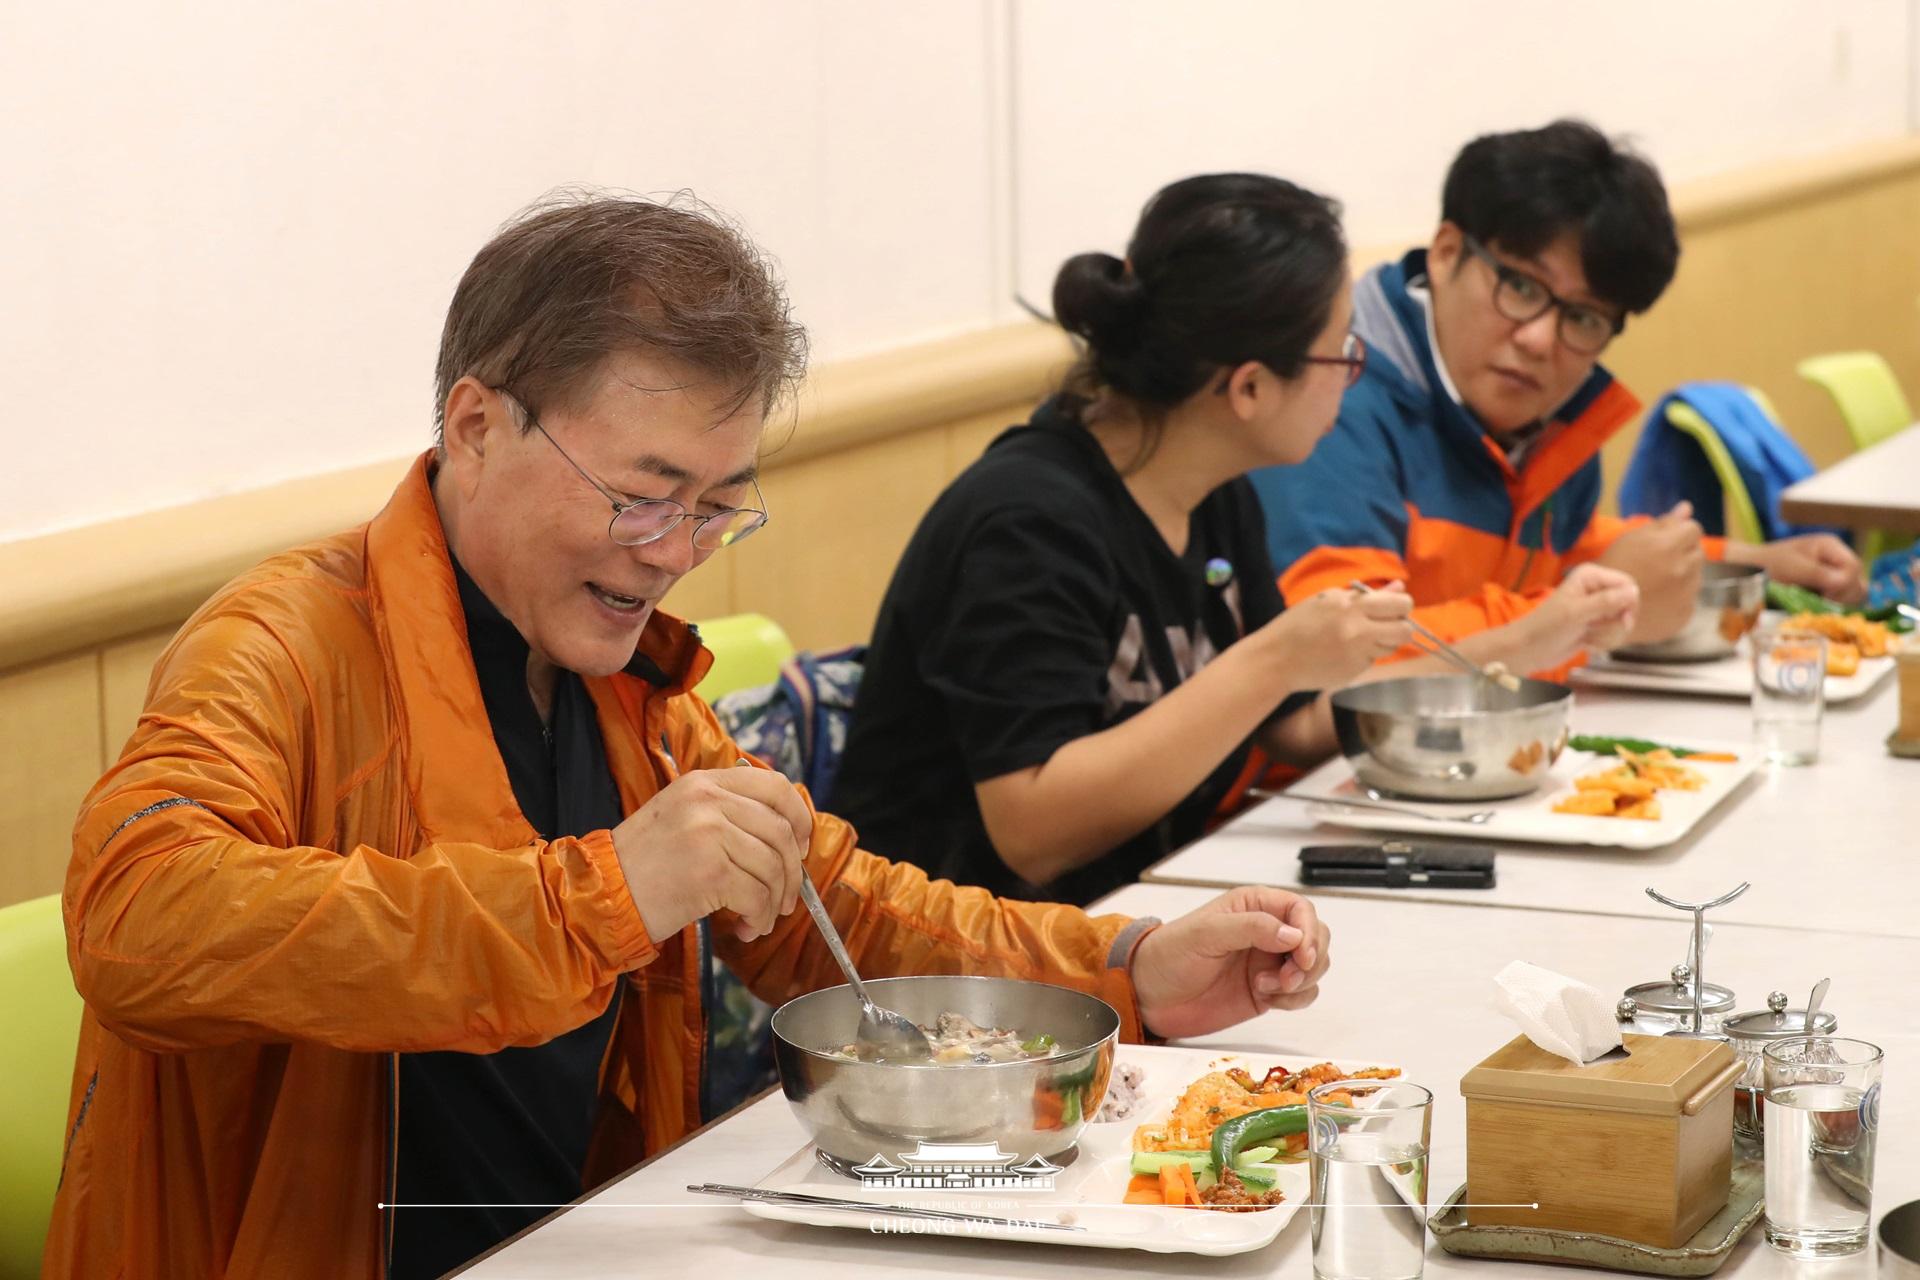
(1564, 695)
(873, 983)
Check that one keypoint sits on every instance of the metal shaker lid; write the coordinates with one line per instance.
(1675, 995)
(1777, 1022)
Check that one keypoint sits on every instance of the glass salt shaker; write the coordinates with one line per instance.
(1668, 1004)
(1749, 1034)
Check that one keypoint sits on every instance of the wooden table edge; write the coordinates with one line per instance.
(1851, 515)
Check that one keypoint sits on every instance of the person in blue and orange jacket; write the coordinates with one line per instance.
(1466, 461)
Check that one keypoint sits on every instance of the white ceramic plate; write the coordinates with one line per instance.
(1730, 677)
(1088, 1193)
(1530, 818)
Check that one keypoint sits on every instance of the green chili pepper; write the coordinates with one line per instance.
(1791, 599)
(1606, 746)
(1253, 1129)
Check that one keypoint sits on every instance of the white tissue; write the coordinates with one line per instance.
(1562, 1016)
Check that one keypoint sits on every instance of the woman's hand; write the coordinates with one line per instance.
(1326, 640)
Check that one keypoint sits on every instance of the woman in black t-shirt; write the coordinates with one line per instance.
(1084, 638)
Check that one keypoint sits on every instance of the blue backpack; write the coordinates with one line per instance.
(798, 724)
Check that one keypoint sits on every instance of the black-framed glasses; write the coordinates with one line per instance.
(638, 521)
(1522, 298)
(1353, 354)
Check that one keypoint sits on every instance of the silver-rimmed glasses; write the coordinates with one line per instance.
(638, 521)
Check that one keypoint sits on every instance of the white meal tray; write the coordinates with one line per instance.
(1087, 1193)
(1530, 818)
(1730, 677)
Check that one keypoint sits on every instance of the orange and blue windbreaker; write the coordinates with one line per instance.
(1410, 486)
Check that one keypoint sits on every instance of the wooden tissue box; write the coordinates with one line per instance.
(1640, 1148)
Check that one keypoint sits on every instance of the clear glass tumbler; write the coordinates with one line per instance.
(1823, 1115)
(1789, 692)
(1367, 1140)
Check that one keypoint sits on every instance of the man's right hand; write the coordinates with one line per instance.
(1665, 557)
(716, 840)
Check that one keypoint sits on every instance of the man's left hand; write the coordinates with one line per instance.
(1818, 561)
(1247, 951)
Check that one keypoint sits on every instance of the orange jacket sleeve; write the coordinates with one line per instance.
(896, 920)
(1329, 568)
(1601, 532)
(196, 916)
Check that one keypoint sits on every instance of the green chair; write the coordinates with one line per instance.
(1743, 522)
(1872, 405)
(1865, 391)
(748, 649)
(39, 1027)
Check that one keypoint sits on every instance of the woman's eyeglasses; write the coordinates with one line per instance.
(1353, 354)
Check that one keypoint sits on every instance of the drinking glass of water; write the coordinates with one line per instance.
(1367, 1140)
(1823, 1115)
(1789, 692)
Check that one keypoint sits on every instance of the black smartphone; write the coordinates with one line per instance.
(1398, 865)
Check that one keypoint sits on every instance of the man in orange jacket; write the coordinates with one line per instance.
(399, 892)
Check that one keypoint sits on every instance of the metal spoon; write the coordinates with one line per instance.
(1814, 1002)
(1447, 653)
(884, 1036)
(1479, 817)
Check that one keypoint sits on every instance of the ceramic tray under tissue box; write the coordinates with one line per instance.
(1639, 1148)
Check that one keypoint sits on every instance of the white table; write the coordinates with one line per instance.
(1832, 846)
(1876, 488)
(1410, 984)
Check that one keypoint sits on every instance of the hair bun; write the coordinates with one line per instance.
(1096, 297)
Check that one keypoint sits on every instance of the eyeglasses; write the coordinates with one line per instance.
(1353, 354)
(1521, 298)
(638, 521)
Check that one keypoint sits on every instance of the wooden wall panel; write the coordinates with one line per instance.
(707, 592)
(125, 668)
(969, 438)
(846, 518)
(50, 754)
(1756, 294)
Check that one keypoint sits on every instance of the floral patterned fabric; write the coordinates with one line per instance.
(797, 724)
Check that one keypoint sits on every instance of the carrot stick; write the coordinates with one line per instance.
(1177, 1185)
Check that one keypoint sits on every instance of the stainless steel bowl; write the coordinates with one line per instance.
(1452, 737)
(1900, 1242)
(1729, 604)
(857, 1110)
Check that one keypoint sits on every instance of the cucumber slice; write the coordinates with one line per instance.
(1254, 1155)
(1151, 1162)
(1260, 1177)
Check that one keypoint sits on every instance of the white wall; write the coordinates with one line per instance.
(230, 231)
(1369, 102)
